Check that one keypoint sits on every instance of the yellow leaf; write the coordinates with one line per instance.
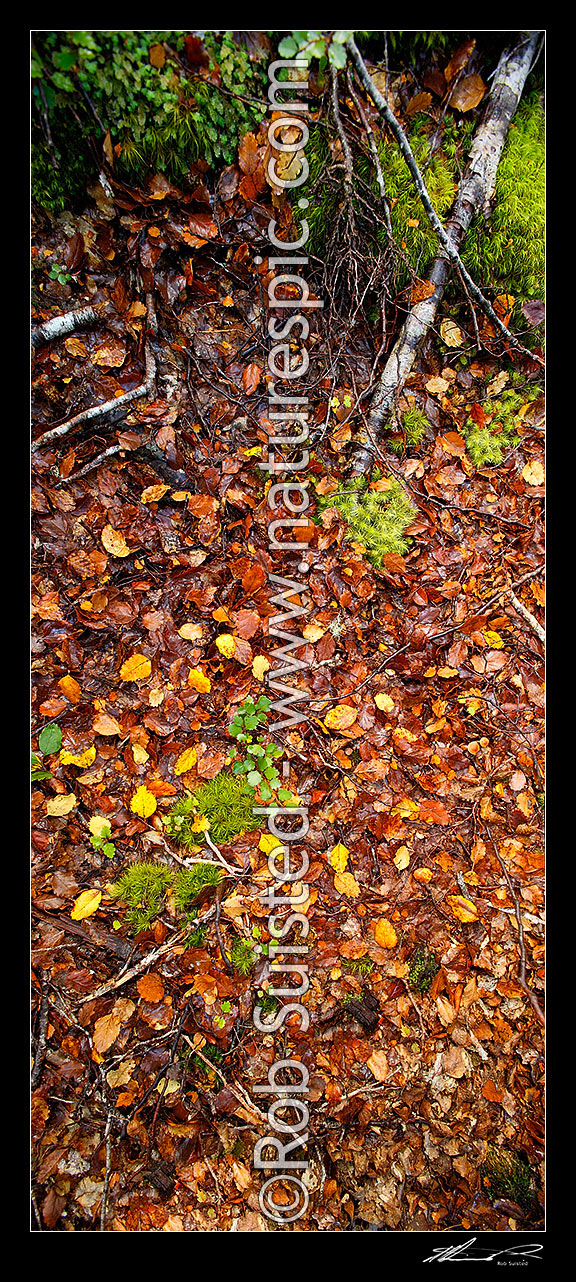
(114, 542)
(186, 761)
(191, 631)
(339, 857)
(451, 334)
(82, 759)
(260, 666)
(384, 933)
(464, 910)
(199, 681)
(153, 493)
(447, 672)
(405, 808)
(136, 668)
(402, 858)
(346, 884)
(384, 702)
(268, 843)
(226, 645)
(99, 824)
(86, 904)
(140, 755)
(143, 802)
(200, 824)
(313, 632)
(341, 717)
(493, 639)
(61, 805)
(70, 688)
(533, 473)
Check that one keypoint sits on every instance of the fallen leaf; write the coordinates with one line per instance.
(151, 988)
(339, 857)
(346, 884)
(114, 542)
(136, 668)
(86, 904)
(384, 933)
(199, 681)
(462, 908)
(378, 1065)
(143, 802)
(61, 805)
(533, 473)
(341, 717)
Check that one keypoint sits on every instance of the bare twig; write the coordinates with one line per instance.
(42, 1030)
(525, 613)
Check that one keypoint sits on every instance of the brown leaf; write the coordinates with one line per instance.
(250, 378)
(468, 93)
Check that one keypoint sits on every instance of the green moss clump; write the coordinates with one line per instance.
(423, 969)
(414, 424)
(190, 882)
(506, 254)
(376, 518)
(226, 802)
(487, 445)
(508, 1175)
(360, 966)
(242, 956)
(143, 888)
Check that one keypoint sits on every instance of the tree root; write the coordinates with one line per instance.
(61, 325)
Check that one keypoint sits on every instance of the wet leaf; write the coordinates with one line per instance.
(86, 904)
(136, 668)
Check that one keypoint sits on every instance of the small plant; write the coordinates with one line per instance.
(222, 805)
(268, 1004)
(58, 273)
(101, 838)
(49, 742)
(376, 517)
(509, 1176)
(190, 882)
(143, 889)
(258, 764)
(242, 956)
(196, 938)
(423, 969)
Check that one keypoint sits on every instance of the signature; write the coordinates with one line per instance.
(467, 1251)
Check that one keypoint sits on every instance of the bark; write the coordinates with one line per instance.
(473, 197)
(60, 325)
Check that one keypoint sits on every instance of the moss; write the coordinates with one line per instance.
(506, 254)
(377, 519)
(359, 966)
(161, 118)
(242, 956)
(507, 1175)
(225, 802)
(190, 882)
(414, 424)
(488, 444)
(143, 889)
(423, 968)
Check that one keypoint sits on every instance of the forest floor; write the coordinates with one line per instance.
(420, 758)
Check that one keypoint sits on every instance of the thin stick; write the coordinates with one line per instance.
(522, 966)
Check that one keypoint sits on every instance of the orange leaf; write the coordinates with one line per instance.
(151, 988)
(462, 908)
(136, 668)
(384, 933)
(340, 717)
(70, 689)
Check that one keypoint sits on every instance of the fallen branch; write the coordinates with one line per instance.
(66, 324)
(522, 609)
(149, 960)
(98, 412)
(473, 196)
